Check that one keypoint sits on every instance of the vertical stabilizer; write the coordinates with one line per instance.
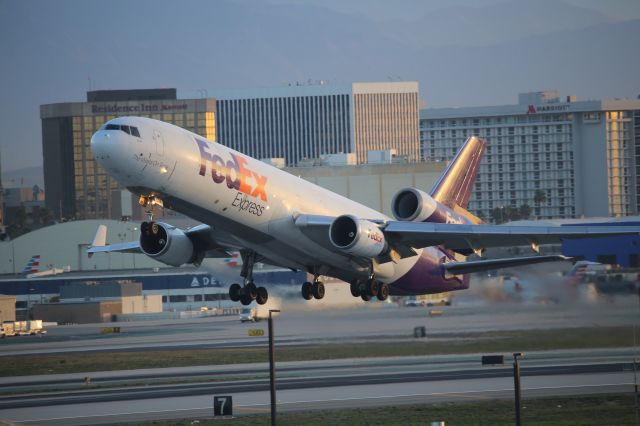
(33, 265)
(454, 187)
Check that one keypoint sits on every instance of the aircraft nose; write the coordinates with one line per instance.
(110, 149)
(99, 145)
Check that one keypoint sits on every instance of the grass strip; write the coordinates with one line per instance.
(619, 410)
(507, 341)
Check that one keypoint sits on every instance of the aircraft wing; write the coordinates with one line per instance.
(457, 268)
(201, 236)
(465, 238)
(404, 236)
(128, 247)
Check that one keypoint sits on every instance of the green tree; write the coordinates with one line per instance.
(539, 197)
(45, 216)
(524, 211)
(500, 214)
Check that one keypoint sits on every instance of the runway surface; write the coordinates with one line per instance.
(325, 398)
(152, 394)
(316, 323)
(328, 385)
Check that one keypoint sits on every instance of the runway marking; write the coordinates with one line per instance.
(249, 407)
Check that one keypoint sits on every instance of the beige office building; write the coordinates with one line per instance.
(583, 157)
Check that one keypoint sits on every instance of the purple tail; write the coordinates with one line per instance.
(454, 187)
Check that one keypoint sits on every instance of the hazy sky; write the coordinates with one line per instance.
(462, 52)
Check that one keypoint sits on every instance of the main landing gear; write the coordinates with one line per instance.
(313, 290)
(369, 289)
(249, 292)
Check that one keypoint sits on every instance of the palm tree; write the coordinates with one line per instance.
(539, 197)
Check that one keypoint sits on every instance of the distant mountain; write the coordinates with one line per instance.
(461, 55)
(507, 21)
(598, 62)
(26, 177)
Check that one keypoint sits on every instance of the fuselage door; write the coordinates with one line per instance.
(159, 141)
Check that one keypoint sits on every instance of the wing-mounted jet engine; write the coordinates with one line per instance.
(358, 237)
(363, 239)
(166, 244)
(413, 205)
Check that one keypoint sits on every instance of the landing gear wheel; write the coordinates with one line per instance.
(251, 289)
(262, 296)
(234, 292)
(355, 288)
(372, 287)
(383, 292)
(246, 299)
(365, 297)
(318, 290)
(307, 290)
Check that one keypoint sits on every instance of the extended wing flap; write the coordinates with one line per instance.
(457, 268)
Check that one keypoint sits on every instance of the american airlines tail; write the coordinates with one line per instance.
(32, 265)
(454, 187)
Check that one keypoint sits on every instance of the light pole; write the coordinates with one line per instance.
(272, 368)
(29, 303)
(133, 237)
(516, 383)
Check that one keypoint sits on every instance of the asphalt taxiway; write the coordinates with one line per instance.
(318, 323)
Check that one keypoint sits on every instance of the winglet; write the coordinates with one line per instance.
(100, 239)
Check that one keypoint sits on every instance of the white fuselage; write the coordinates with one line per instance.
(248, 203)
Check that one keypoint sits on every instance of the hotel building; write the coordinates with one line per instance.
(561, 157)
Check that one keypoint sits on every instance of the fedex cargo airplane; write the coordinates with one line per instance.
(270, 216)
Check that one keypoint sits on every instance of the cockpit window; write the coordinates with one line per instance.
(130, 130)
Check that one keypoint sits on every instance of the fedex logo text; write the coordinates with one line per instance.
(235, 172)
(376, 237)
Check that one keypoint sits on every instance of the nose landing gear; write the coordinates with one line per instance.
(249, 291)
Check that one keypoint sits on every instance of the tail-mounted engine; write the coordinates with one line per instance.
(357, 236)
(413, 205)
(166, 243)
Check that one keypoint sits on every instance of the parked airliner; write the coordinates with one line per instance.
(271, 216)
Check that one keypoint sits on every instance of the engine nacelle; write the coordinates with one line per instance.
(357, 236)
(166, 243)
(413, 205)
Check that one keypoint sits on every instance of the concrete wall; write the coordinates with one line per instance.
(372, 185)
(79, 313)
(591, 176)
(149, 303)
(7, 308)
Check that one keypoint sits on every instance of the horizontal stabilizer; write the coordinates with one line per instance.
(458, 268)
